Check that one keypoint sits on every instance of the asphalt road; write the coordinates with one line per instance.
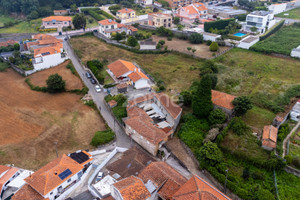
(122, 139)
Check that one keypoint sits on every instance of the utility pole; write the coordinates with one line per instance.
(225, 181)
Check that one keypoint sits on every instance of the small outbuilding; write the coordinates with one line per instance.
(248, 41)
(147, 45)
(269, 137)
(122, 87)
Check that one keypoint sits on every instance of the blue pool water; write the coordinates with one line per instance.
(240, 34)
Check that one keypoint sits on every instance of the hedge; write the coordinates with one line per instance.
(219, 24)
(35, 88)
(272, 30)
(102, 137)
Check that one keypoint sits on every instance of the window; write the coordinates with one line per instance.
(69, 180)
(51, 193)
(259, 19)
(65, 22)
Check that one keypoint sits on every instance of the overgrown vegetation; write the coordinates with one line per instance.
(102, 137)
(119, 110)
(96, 67)
(281, 42)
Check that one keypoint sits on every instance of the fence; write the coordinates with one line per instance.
(222, 52)
(91, 188)
(292, 170)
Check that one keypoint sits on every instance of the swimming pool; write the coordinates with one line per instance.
(239, 34)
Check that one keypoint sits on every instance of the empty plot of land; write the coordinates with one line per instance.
(32, 122)
(72, 81)
(202, 50)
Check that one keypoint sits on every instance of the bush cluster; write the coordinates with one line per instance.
(96, 66)
(219, 24)
(102, 137)
(35, 88)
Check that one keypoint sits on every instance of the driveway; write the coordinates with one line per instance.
(122, 139)
(290, 21)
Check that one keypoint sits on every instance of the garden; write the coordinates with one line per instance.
(291, 14)
(120, 109)
(281, 42)
(293, 156)
(28, 26)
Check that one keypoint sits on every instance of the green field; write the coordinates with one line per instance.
(293, 14)
(258, 117)
(5, 19)
(288, 186)
(24, 27)
(282, 42)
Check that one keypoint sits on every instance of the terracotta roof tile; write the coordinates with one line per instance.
(57, 18)
(120, 67)
(197, 188)
(112, 103)
(164, 176)
(46, 179)
(169, 105)
(222, 99)
(46, 51)
(132, 188)
(27, 193)
(126, 10)
(3, 168)
(7, 43)
(269, 137)
(107, 22)
(135, 76)
(7, 172)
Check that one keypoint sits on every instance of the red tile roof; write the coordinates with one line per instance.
(107, 22)
(7, 43)
(8, 173)
(164, 177)
(120, 67)
(126, 10)
(46, 179)
(112, 103)
(135, 76)
(27, 193)
(197, 188)
(222, 99)
(132, 188)
(3, 168)
(57, 18)
(194, 8)
(269, 137)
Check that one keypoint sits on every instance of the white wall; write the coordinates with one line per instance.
(11, 178)
(50, 61)
(210, 37)
(277, 8)
(147, 47)
(142, 83)
(245, 45)
(296, 52)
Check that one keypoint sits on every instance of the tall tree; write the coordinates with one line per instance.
(201, 103)
(79, 21)
(55, 83)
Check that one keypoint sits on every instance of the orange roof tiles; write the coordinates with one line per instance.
(132, 188)
(197, 188)
(46, 179)
(269, 137)
(120, 67)
(51, 50)
(135, 76)
(164, 177)
(222, 99)
(57, 18)
(126, 10)
(107, 22)
(3, 168)
(8, 173)
(143, 125)
(112, 103)
(27, 193)
(7, 43)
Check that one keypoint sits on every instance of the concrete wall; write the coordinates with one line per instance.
(210, 37)
(49, 61)
(245, 45)
(142, 83)
(278, 8)
(296, 53)
(57, 24)
(147, 47)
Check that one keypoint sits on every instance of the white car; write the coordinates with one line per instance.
(100, 176)
(97, 88)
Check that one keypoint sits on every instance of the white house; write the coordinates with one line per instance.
(295, 113)
(296, 52)
(7, 174)
(109, 26)
(248, 41)
(192, 12)
(147, 45)
(156, 3)
(277, 8)
(144, 2)
(210, 36)
(122, 70)
(262, 20)
(55, 178)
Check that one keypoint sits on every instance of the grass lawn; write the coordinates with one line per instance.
(107, 78)
(247, 73)
(288, 186)
(282, 42)
(172, 68)
(102, 137)
(24, 27)
(293, 14)
(258, 117)
(5, 19)
(93, 24)
(294, 150)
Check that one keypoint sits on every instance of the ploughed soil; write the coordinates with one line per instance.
(202, 50)
(72, 82)
(32, 122)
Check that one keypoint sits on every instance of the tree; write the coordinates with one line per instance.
(238, 126)
(161, 42)
(210, 154)
(214, 46)
(194, 50)
(16, 46)
(214, 80)
(176, 20)
(73, 8)
(79, 21)
(33, 15)
(217, 117)
(253, 29)
(55, 83)
(118, 36)
(196, 38)
(186, 97)
(241, 105)
(208, 67)
(201, 103)
(189, 48)
(132, 41)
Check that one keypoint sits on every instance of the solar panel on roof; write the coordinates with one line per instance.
(65, 174)
(47, 53)
(80, 157)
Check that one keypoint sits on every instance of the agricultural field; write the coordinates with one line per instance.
(282, 42)
(258, 117)
(5, 19)
(292, 14)
(174, 69)
(32, 122)
(24, 27)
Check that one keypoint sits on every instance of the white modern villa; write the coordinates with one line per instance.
(262, 20)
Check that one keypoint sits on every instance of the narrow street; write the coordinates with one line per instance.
(122, 139)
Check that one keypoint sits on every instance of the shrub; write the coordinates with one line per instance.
(186, 97)
(208, 42)
(196, 38)
(241, 105)
(132, 41)
(55, 83)
(161, 42)
(217, 116)
(238, 126)
(214, 46)
(71, 67)
(210, 154)
(36, 88)
(289, 159)
(102, 137)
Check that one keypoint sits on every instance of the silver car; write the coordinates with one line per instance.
(97, 88)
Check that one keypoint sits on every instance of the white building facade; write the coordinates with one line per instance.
(262, 20)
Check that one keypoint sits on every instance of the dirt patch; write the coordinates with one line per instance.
(32, 122)
(72, 81)
(202, 50)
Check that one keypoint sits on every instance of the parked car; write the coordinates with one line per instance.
(100, 176)
(93, 81)
(88, 74)
(97, 88)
